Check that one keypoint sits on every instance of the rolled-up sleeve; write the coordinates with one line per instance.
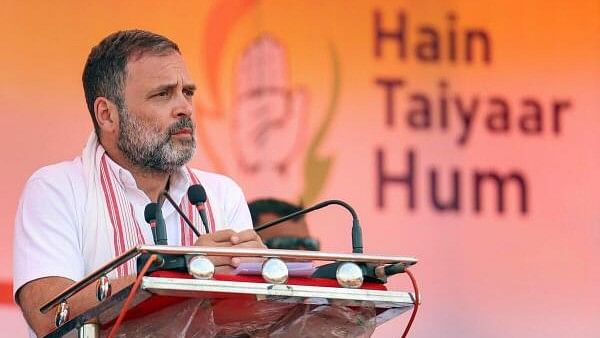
(237, 212)
(47, 237)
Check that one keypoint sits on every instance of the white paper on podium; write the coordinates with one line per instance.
(295, 269)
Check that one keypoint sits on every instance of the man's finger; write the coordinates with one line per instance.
(221, 235)
(226, 244)
(249, 244)
(245, 236)
(208, 243)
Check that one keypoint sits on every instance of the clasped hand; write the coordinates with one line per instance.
(229, 238)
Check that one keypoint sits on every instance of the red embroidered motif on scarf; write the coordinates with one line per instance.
(115, 216)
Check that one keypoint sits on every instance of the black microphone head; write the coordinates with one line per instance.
(196, 194)
(150, 212)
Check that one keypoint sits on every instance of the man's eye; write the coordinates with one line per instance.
(189, 93)
(161, 95)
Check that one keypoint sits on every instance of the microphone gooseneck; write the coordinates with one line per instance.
(357, 246)
(161, 226)
(197, 196)
(179, 211)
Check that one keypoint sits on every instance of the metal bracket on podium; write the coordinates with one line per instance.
(388, 303)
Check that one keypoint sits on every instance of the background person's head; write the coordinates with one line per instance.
(139, 94)
(291, 234)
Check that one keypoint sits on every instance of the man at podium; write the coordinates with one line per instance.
(76, 215)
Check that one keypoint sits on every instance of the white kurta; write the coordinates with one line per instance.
(50, 239)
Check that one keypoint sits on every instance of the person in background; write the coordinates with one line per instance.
(292, 234)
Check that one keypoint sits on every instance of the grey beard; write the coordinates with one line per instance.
(147, 147)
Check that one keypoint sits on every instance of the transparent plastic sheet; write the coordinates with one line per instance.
(199, 318)
(328, 321)
(191, 318)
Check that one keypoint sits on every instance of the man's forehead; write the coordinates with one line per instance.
(151, 68)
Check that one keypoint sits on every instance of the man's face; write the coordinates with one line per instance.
(156, 130)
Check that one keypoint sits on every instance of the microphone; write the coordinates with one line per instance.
(161, 226)
(153, 215)
(329, 270)
(357, 244)
(197, 196)
(384, 271)
(179, 211)
(150, 217)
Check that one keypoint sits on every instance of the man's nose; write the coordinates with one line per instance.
(183, 106)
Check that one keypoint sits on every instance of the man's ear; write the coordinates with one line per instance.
(107, 115)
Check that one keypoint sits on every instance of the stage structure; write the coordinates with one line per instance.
(178, 293)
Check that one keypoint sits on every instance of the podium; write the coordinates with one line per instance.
(171, 303)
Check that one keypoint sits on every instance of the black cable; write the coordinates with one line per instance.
(357, 246)
(186, 220)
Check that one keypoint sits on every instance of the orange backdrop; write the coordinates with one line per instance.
(465, 133)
